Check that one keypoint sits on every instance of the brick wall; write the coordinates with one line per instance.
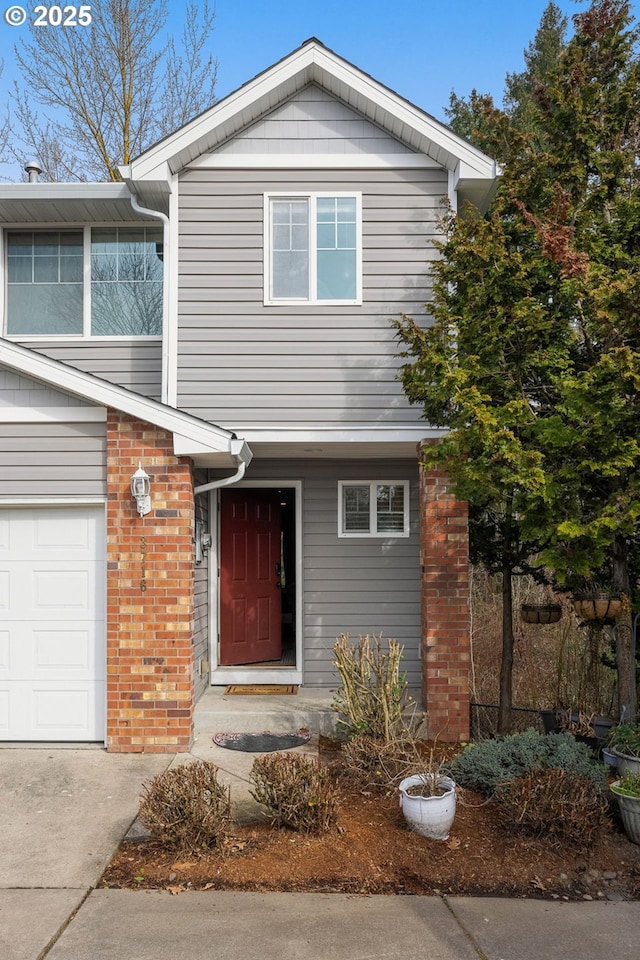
(444, 556)
(150, 685)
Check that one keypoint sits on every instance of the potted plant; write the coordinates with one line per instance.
(595, 603)
(428, 801)
(627, 793)
(624, 742)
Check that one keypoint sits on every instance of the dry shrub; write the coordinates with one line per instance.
(186, 808)
(369, 762)
(297, 790)
(373, 696)
(561, 805)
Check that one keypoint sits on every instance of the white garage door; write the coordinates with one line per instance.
(52, 623)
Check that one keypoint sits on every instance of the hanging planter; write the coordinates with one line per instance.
(597, 606)
(540, 612)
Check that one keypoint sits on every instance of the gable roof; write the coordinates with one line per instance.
(207, 443)
(474, 172)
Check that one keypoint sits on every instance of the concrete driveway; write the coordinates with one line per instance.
(63, 813)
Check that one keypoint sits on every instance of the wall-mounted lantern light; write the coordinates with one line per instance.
(140, 490)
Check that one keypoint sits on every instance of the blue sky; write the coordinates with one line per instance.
(422, 49)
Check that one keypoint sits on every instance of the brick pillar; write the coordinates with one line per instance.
(444, 556)
(150, 601)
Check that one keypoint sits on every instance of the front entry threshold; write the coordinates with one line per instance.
(223, 675)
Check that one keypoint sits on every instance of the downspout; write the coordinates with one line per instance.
(225, 482)
(158, 215)
(242, 452)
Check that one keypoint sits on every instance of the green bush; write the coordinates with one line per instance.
(482, 766)
(561, 805)
(186, 808)
(298, 792)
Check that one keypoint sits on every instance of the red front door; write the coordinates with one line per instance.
(250, 555)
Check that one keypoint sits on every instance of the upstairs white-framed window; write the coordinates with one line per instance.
(373, 508)
(313, 248)
(84, 282)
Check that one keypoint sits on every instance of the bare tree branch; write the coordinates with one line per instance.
(94, 97)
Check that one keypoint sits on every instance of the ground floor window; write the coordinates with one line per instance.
(373, 508)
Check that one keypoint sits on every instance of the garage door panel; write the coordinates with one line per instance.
(56, 590)
(52, 630)
(49, 712)
(43, 592)
(64, 650)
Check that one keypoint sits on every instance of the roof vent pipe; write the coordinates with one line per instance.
(33, 169)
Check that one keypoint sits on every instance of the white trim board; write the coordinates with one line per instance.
(300, 161)
(53, 414)
(248, 674)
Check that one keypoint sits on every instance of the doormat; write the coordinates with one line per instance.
(261, 742)
(260, 689)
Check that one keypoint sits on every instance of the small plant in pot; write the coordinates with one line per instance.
(428, 800)
(624, 743)
(627, 793)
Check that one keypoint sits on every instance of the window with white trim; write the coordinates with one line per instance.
(313, 248)
(95, 282)
(373, 508)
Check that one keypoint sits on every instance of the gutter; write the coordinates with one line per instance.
(243, 454)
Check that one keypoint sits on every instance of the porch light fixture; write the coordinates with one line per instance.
(140, 490)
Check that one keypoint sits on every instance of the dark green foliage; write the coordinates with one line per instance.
(484, 766)
(560, 805)
(186, 808)
(298, 792)
(628, 786)
(625, 738)
(531, 353)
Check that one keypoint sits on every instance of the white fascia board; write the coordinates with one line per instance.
(407, 113)
(308, 63)
(88, 387)
(184, 446)
(53, 414)
(319, 161)
(371, 434)
(241, 99)
(65, 191)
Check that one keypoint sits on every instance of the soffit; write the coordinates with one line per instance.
(72, 203)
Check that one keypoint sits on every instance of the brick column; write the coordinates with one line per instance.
(444, 556)
(150, 601)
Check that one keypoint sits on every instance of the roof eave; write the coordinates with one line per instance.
(192, 436)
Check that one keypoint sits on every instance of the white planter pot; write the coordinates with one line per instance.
(626, 764)
(429, 816)
(629, 811)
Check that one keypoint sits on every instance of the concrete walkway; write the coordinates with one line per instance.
(64, 811)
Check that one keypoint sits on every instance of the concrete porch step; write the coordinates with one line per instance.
(310, 709)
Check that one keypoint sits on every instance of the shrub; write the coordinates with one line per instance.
(186, 808)
(561, 805)
(369, 762)
(373, 695)
(298, 792)
(482, 766)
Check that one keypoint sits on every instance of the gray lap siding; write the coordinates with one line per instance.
(243, 363)
(360, 585)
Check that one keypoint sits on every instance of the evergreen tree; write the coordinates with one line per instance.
(471, 117)
(533, 358)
